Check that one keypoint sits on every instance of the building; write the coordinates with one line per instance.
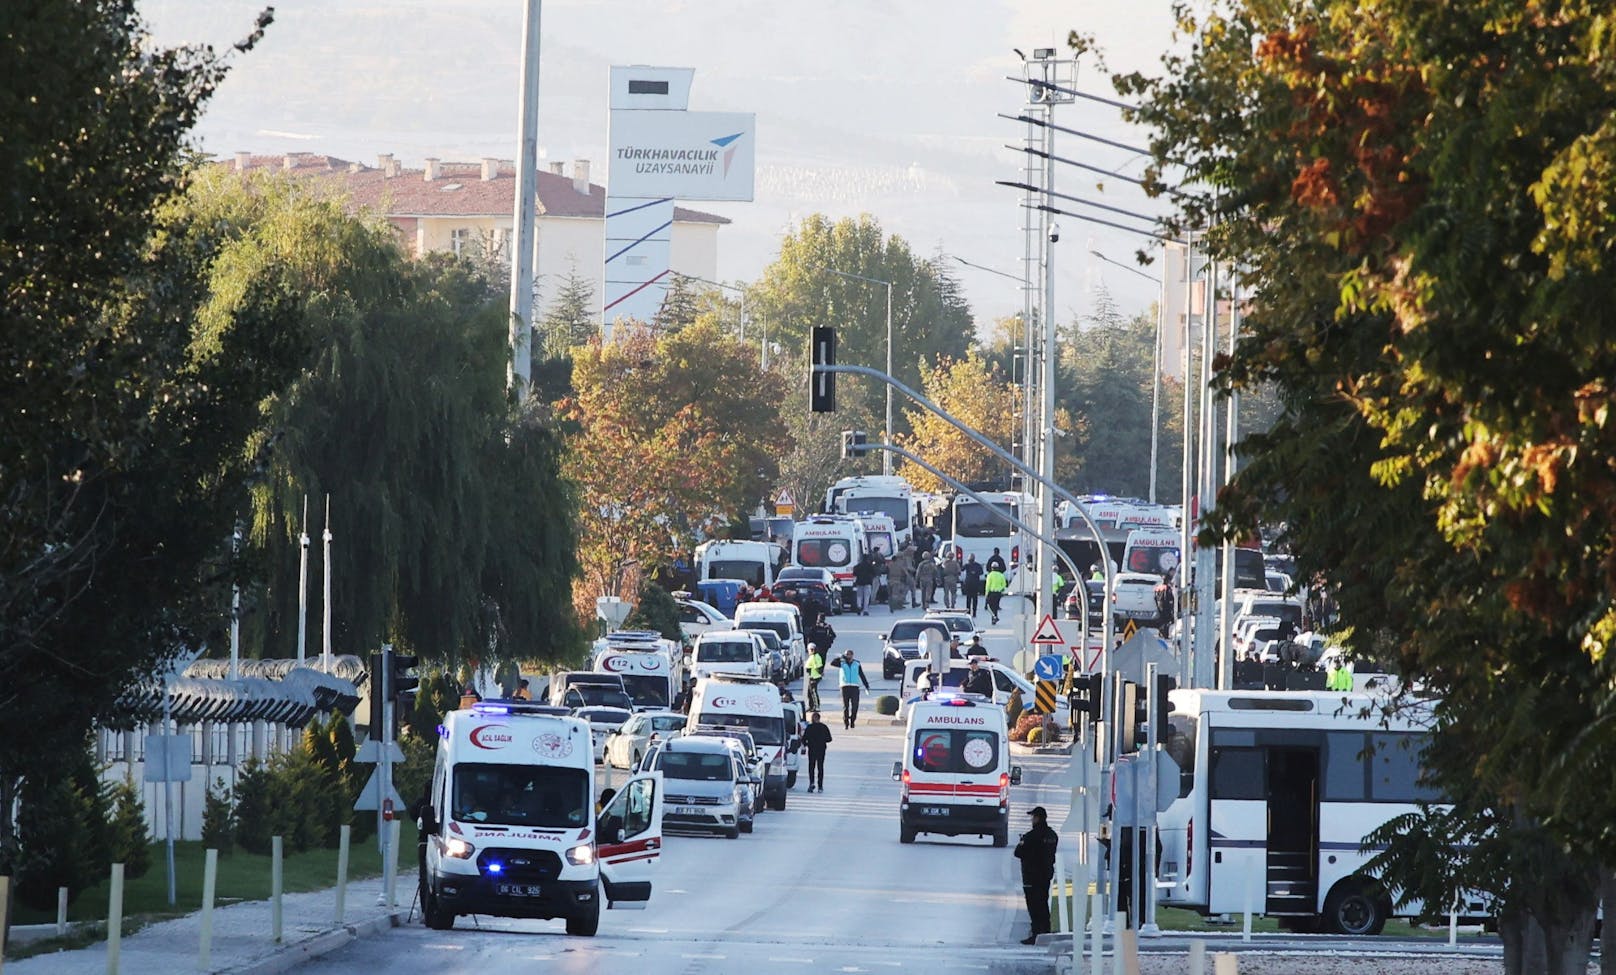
(449, 206)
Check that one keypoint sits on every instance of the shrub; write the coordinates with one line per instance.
(53, 824)
(1024, 725)
(263, 806)
(655, 610)
(886, 704)
(1034, 735)
(130, 844)
(218, 820)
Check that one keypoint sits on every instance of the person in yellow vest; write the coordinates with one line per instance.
(1340, 676)
(814, 667)
(994, 585)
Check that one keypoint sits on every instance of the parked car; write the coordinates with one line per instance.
(603, 722)
(959, 624)
(903, 643)
(628, 745)
(697, 617)
(704, 786)
(812, 597)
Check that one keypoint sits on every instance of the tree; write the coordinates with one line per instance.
(1105, 384)
(125, 404)
(680, 306)
(672, 435)
(654, 609)
(930, 319)
(1420, 204)
(572, 318)
(977, 395)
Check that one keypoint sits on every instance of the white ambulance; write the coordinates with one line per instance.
(834, 542)
(510, 825)
(752, 705)
(956, 770)
(651, 669)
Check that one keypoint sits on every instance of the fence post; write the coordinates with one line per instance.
(5, 912)
(210, 877)
(1251, 885)
(342, 872)
(1121, 921)
(1197, 957)
(1097, 935)
(61, 912)
(275, 887)
(115, 919)
(396, 828)
(1225, 963)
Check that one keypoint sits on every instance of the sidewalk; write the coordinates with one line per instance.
(241, 936)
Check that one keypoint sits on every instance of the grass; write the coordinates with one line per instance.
(242, 876)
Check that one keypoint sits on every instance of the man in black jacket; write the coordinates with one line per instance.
(821, 635)
(1036, 851)
(815, 738)
(977, 680)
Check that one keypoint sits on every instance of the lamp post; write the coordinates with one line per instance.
(886, 457)
(1155, 358)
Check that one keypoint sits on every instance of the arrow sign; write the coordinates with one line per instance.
(1048, 667)
(1128, 631)
(367, 752)
(1048, 634)
(370, 797)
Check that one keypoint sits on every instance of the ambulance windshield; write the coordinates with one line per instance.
(955, 751)
(521, 795)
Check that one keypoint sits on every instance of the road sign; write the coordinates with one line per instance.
(1023, 661)
(1048, 667)
(368, 752)
(168, 758)
(1128, 630)
(784, 503)
(1048, 634)
(371, 798)
(1044, 697)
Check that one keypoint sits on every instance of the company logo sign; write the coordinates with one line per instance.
(723, 703)
(491, 737)
(553, 746)
(621, 663)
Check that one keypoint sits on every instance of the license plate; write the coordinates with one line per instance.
(519, 890)
(934, 810)
(688, 811)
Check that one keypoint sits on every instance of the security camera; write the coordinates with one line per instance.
(1054, 233)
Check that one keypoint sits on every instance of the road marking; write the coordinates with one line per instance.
(794, 961)
(649, 930)
(708, 957)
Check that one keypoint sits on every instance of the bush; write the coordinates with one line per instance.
(1035, 735)
(655, 610)
(55, 825)
(1025, 725)
(218, 820)
(886, 704)
(129, 843)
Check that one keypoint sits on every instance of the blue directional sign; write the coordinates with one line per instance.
(1048, 667)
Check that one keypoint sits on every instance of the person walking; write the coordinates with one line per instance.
(814, 667)
(814, 738)
(1036, 851)
(995, 584)
(898, 573)
(851, 673)
(863, 577)
(995, 561)
(926, 579)
(821, 635)
(949, 572)
(971, 583)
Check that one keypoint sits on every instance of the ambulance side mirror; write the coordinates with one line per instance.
(1015, 775)
(897, 770)
(429, 821)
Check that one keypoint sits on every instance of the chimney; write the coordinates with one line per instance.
(431, 170)
(288, 161)
(384, 162)
(490, 168)
(243, 160)
(558, 169)
(580, 176)
(354, 167)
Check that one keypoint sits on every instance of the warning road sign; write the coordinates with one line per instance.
(1048, 633)
(1129, 630)
(1044, 697)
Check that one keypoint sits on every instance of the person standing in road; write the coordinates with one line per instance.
(995, 584)
(852, 675)
(821, 635)
(977, 680)
(1036, 851)
(971, 583)
(949, 572)
(863, 577)
(814, 738)
(926, 579)
(814, 667)
(995, 561)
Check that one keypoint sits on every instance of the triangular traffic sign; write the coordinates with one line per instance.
(1048, 633)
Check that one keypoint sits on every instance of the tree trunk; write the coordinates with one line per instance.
(1569, 945)
(1607, 893)
(1523, 944)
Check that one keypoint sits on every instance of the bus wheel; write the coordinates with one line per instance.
(1352, 908)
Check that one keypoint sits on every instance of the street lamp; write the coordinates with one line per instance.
(1125, 267)
(886, 458)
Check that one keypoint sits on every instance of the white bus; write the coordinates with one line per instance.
(875, 494)
(977, 530)
(1277, 791)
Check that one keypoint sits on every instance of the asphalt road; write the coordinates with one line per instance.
(823, 885)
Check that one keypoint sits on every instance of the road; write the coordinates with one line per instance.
(823, 885)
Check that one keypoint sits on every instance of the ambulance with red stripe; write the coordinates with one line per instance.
(956, 770)
(510, 827)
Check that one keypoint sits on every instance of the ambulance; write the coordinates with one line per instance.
(510, 825)
(834, 542)
(956, 770)
(651, 668)
(752, 705)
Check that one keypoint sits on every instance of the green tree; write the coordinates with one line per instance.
(1420, 204)
(680, 305)
(572, 318)
(123, 409)
(976, 394)
(654, 609)
(930, 319)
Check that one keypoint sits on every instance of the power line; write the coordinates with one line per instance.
(1082, 135)
(1036, 83)
(1078, 199)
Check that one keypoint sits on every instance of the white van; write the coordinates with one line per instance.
(1152, 551)
(651, 676)
(727, 652)
(1005, 682)
(751, 562)
(784, 619)
(956, 770)
(725, 701)
(511, 828)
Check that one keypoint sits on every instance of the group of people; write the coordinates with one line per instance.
(917, 576)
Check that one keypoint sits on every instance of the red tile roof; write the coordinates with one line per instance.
(459, 189)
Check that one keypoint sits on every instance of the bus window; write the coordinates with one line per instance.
(1236, 773)
(973, 520)
(1345, 778)
(1181, 731)
(1396, 775)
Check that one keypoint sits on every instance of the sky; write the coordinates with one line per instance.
(886, 107)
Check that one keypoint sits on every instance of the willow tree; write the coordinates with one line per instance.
(1420, 198)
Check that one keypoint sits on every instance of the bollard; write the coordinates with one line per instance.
(393, 829)
(342, 872)
(61, 912)
(1225, 963)
(1121, 929)
(275, 888)
(1453, 924)
(1080, 908)
(115, 919)
(1245, 926)
(5, 912)
(1197, 958)
(210, 879)
(1096, 933)
(1128, 948)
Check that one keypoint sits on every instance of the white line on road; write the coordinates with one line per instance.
(708, 957)
(649, 930)
(793, 961)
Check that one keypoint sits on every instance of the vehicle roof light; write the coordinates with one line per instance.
(490, 709)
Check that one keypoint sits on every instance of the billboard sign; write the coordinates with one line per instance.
(682, 155)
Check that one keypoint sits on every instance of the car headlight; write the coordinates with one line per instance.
(581, 855)
(458, 848)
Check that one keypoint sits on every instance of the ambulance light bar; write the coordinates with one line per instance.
(517, 707)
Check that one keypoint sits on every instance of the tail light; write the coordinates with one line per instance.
(1015, 555)
(959, 553)
(1004, 790)
(1189, 848)
(904, 796)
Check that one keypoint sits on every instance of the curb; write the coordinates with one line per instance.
(317, 945)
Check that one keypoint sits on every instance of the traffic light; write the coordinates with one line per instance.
(378, 683)
(1085, 696)
(822, 385)
(1164, 707)
(854, 443)
(1129, 715)
(402, 683)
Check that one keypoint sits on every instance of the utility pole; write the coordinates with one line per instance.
(519, 369)
(1231, 435)
(303, 585)
(1205, 559)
